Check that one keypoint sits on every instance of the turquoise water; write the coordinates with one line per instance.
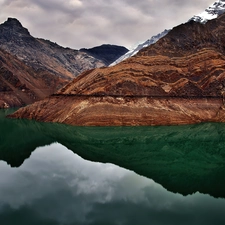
(182, 174)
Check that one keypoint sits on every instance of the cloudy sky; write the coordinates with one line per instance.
(89, 23)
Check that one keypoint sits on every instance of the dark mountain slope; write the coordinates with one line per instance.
(190, 38)
(106, 53)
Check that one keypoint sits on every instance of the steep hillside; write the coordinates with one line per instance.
(212, 12)
(190, 38)
(136, 49)
(32, 68)
(21, 85)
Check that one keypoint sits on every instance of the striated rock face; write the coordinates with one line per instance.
(178, 80)
(200, 74)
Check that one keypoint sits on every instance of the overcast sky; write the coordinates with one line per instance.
(89, 23)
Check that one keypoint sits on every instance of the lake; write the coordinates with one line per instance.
(59, 174)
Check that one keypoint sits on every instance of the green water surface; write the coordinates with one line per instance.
(184, 159)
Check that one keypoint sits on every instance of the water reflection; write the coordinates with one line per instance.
(183, 159)
(56, 186)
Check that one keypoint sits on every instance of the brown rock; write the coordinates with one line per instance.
(34, 68)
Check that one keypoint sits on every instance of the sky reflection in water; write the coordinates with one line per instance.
(56, 186)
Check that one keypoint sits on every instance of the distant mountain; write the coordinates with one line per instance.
(47, 65)
(178, 80)
(106, 53)
(211, 12)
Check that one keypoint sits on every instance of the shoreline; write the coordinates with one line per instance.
(86, 110)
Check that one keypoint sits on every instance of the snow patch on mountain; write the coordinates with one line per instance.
(212, 12)
(136, 49)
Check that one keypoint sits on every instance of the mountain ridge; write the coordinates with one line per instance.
(178, 80)
(136, 49)
(40, 53)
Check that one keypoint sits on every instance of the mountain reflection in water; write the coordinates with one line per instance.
(183, 159)
(56, 186)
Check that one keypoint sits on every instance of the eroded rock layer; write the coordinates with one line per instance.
(124, 111)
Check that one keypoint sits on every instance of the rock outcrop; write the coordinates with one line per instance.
(178, 80)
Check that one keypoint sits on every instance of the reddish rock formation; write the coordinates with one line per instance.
(199, 74)
(179, 80)
(124, 111)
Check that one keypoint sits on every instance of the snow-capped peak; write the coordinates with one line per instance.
(212, 12)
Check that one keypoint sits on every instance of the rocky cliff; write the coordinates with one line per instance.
(178, 80)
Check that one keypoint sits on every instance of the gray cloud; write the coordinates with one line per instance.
(88, 23)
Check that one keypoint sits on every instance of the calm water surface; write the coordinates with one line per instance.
(178, 178)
